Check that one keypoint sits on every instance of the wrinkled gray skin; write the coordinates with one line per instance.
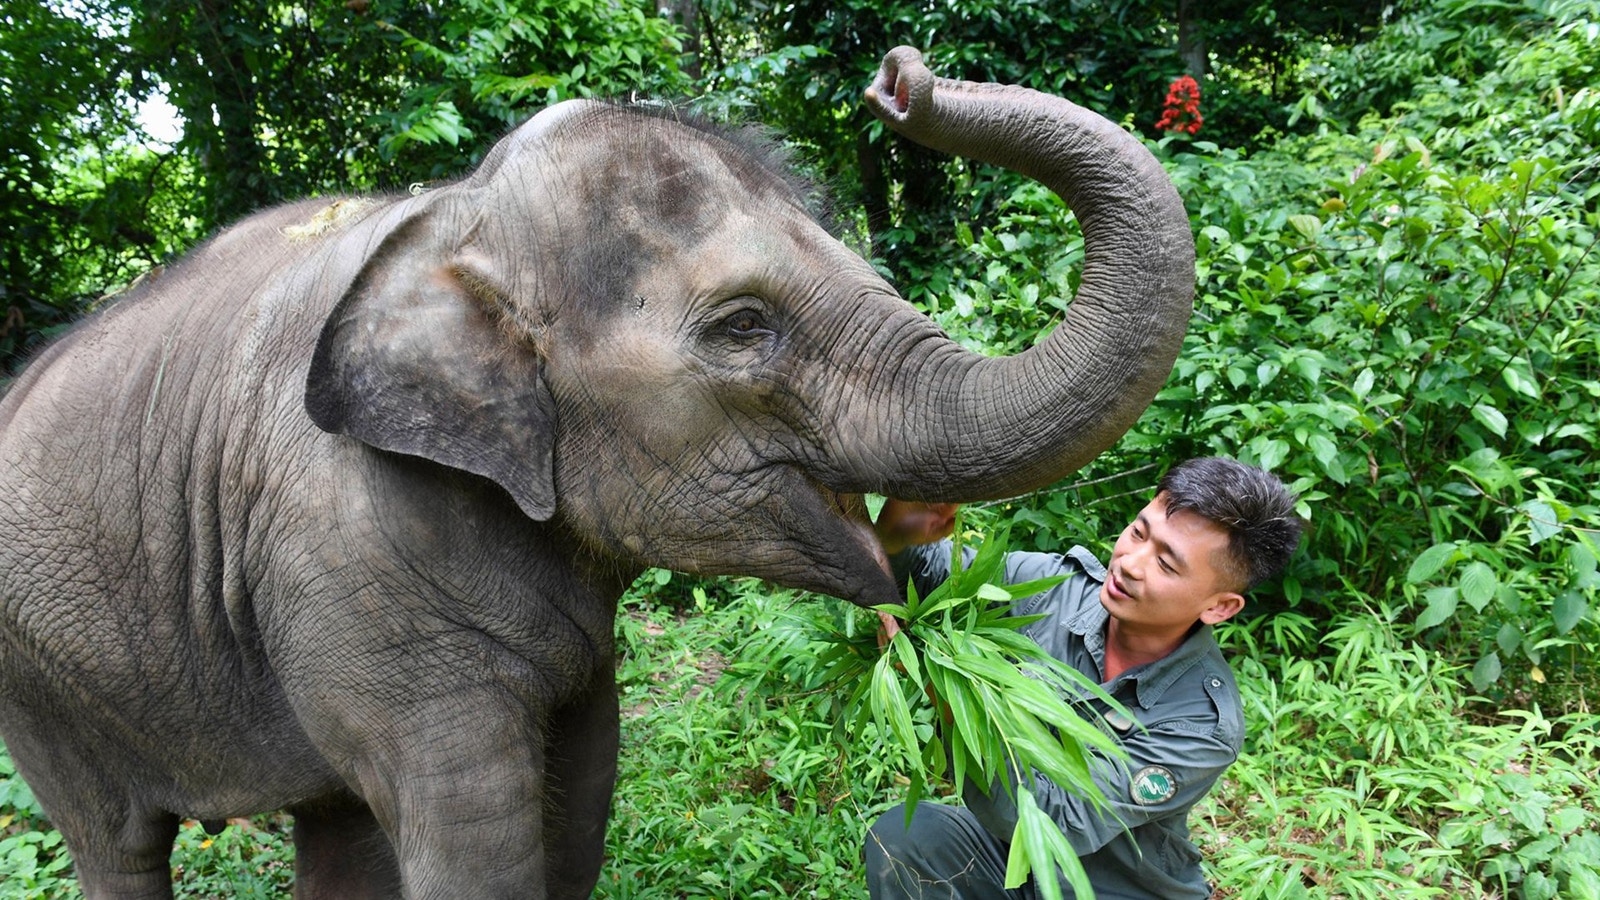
(337, 522)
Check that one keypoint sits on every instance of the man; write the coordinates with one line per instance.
(1141, 626)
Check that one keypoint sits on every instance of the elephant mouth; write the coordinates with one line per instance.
(851, 511)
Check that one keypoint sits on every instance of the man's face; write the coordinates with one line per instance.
(1165, 575)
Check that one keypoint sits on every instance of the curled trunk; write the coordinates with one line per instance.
(968, 427)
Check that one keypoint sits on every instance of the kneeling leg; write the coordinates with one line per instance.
(944, 854)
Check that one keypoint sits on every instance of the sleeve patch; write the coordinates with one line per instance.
(1153, 785)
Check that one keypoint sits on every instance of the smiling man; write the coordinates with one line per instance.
(1141, 627)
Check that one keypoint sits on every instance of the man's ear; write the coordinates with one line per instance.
(1224, 606)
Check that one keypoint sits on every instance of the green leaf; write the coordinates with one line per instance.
(889, 706)
(1270, 452)
(1322, 448)
(993, 593)
(1363, 384)
(1308, 226)
(1430, 562)
(1309, 368)
(1266, 372)
(1567, 819)
(1416, 146)
(1490, 418)
(1486, 672)
(966, 715)
(1568, 610)
(1495, 832)
(1539, 886)
(903, 651)
(1025, 589)
(1508, 638)
(894, 609)
(1521, 382)
(1038, 846)
(1441, 606)
(1478, 584)
(935, 603)
(1542, 520)
(1582, 560)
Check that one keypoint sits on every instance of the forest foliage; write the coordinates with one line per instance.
(1398, 309)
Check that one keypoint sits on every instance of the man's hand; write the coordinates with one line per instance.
(902, 523)
(890, 628)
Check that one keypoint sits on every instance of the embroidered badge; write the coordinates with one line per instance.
(1152, 785)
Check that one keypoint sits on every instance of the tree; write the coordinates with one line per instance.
(279, 100)
(1117, 56)
(283, 100)
(79, 191)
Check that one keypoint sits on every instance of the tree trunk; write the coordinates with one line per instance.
(1192, 40)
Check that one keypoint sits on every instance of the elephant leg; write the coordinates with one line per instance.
(582, 771)
(342, 852)
(123, 860)
(121, 849)
(457, 785)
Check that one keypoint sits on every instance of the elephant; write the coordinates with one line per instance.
(333, 515)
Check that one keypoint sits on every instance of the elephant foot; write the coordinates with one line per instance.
(341, 853)
(138, 868)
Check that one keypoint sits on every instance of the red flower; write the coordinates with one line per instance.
(1182, 109)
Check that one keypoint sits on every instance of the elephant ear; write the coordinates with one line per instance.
(413, 360)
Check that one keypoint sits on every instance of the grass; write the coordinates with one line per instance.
(1371, 773)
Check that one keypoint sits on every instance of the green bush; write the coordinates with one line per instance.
(1364, 774)
(493, 61)
(730, 784)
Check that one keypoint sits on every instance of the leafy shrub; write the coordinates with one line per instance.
(1364, 775)
(249, 860)
(729, 786)
(495, 59)
(33, 860)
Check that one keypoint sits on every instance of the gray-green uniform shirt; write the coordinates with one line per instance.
(1188, 728)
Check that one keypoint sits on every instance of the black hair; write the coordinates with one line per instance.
(761, 152)
(1250, 503)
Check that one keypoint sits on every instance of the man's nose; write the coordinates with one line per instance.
(1133, 564)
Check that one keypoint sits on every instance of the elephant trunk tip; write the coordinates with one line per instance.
(903, 85)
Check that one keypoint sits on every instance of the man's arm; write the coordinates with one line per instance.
(907, 523)
(1169, 768)
(906, 528)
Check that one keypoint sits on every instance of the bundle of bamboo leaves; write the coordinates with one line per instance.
(1004, 707)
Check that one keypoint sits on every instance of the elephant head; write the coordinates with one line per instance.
(637, 327)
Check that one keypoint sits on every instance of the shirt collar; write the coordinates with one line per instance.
(1151, 680)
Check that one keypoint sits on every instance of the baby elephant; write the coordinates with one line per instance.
(333, 515)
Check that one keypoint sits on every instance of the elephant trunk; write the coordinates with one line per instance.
(970, 427)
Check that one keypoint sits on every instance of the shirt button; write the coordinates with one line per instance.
(1216, 682)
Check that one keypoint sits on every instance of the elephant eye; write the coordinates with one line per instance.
(747, 324)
